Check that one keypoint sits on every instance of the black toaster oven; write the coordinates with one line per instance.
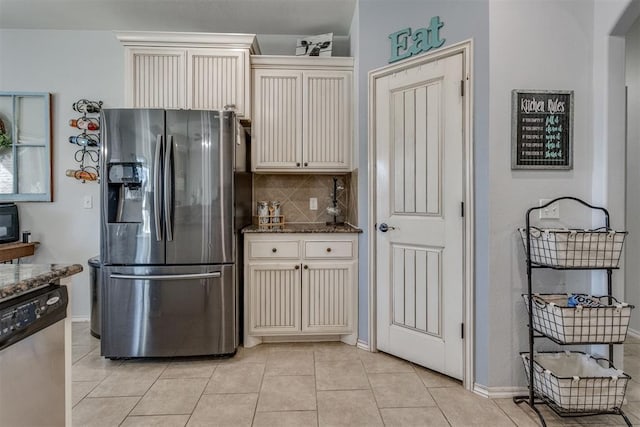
(9, 223)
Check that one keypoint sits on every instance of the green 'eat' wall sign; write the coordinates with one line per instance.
(422, 40)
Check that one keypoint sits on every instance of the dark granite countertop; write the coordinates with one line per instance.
(303, 228)
(16, 279)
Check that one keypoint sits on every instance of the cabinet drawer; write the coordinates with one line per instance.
(277, 249)
(328, 249)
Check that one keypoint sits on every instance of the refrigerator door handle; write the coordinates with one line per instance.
(156, 187)
(214, 275)
(168, 187)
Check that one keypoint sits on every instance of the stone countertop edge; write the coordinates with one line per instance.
(16, 279)
(303, 228)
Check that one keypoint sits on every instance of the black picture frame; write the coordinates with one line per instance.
(541, 129)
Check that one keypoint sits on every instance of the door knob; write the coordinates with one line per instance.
(384, 227)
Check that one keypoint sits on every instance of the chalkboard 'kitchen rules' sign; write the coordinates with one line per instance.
(541, 129)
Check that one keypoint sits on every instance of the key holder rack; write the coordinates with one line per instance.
(88, 155)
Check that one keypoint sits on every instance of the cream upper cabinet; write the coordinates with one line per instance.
(155, 78)
(302, 114)
(203, 71)
(218, 77)
(276, 128)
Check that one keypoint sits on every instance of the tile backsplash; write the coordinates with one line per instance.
(294, 192)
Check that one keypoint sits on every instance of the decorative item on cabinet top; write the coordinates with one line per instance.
(320, 45)
(88, 156)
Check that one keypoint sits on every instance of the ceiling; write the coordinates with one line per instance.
(220, 16)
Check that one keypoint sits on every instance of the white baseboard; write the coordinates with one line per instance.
(363, 345)
(300, 338)
(80, 319)
(633, 333)
(498, 392)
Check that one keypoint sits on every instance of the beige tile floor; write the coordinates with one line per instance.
(322, 384)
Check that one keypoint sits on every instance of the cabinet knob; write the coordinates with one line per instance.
(306, 267)
(298, 164)
(328, 249)
(306, 164)
(274, 250)
(297, 267)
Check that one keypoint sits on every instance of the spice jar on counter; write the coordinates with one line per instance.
(263, 212)
(274, 211)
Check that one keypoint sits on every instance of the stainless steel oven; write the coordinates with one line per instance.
(32, 358)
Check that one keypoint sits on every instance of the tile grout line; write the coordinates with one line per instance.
(264, 372)
(505, 412)
(144, 394)
(415, 371)
(375, 399)
(129, 413)
(315, 381)
(97, 385)
(215, 368)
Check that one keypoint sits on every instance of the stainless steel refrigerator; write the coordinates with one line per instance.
(167, 236)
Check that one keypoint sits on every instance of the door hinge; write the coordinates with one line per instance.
(462, 209)
(462, 330)
(461, 87)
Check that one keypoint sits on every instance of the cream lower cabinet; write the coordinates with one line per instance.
(300, 287)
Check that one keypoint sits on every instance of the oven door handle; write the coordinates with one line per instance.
(214, 275)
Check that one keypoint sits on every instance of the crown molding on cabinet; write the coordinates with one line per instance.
(177, 39)
(334, 63)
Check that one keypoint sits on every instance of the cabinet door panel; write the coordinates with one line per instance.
(275, 299)
(217, 77)
(155, 78)
(328, 297)
(327, 120)
(277, 120)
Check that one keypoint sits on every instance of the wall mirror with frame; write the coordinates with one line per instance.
(25, 147)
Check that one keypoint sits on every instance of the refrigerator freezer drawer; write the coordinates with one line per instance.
(169, 311)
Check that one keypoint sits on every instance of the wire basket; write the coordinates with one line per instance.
(577, 383)
(604, 324)
(598, 248)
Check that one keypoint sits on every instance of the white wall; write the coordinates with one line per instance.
(534, 45)
(632, 267)
(70, 65)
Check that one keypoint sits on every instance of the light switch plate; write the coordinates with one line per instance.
(550, 212)
(87, 202)
(313, 203)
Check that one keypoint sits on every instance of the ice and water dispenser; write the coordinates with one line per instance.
(125, 191)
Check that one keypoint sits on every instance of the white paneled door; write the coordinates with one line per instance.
(419, 256)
